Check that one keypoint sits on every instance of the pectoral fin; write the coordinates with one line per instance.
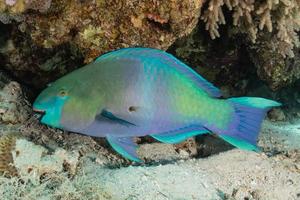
(108, 116)
(124, 146)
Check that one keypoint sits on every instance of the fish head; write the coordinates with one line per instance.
(50, 103)
(70, 103)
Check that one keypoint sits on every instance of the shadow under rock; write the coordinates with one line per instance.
(209, 145)
(206, 145)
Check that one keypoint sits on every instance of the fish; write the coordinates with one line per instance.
(135, 92)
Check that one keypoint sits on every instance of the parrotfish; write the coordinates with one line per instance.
(136, 92)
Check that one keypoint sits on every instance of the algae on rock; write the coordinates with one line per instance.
(278, 71)
(42, 45)
(7, 144)
(33, 161)
(14, 108)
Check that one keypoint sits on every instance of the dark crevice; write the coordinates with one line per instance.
(161, 26)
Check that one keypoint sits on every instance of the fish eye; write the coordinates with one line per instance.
(62, 93)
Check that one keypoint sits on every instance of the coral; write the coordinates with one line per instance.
(13, 107)
(279, 16)
(286, 17)
(40, 47)
(214, 16)
(7, 144)
(200, 178)
(54, 187)
(97, 27)
(188, 147)
(12, 10)
(276, 114)
(34, 65)
(223, 62)
(20, 6)
(43, 44)
(22, 157)
(271, 27)
(34, 161)
(273, 67)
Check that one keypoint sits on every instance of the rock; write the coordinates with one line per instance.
(187, 147)
(13, 7)
(278, 137)
(210, 144)
(7, 144)
(52, 44)
(237, 174)
(223, 62)
(14, 108)
(32, 64)
(276, 114)
(97, 26)
(159, 152)
(272, 66)
(25, 159)
(32, 161)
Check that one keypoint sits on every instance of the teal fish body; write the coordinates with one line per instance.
(140, 91)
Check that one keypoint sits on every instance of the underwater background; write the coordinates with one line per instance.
(244, 47)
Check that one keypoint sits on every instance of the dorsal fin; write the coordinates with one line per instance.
(148, 54)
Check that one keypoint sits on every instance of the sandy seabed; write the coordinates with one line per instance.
(73, 171)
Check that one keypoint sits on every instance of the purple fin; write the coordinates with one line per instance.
(124, 146)
(246, 122)
(164, 59)
(181, 134)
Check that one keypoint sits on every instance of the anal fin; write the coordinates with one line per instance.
(181, 134)
(124, 146)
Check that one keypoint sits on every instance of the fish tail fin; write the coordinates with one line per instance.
(244, 128)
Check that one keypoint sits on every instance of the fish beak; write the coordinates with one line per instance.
(39, 111)
(39, 114)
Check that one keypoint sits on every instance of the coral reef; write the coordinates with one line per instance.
(55, 187)
(20, 6)
(231, 61)
(230, 175)
(12, 10)
(42, 40)
(14, 108)
(44, 163)
(278, 71)
(96, 27)
(46, 45)
(33, 65)
(46, 39)
(7, 144)
(272, 28)
(224, 62)
(280, 16)
(20, 157)
(33, 161)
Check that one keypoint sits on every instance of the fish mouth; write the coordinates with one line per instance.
(40, 111)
